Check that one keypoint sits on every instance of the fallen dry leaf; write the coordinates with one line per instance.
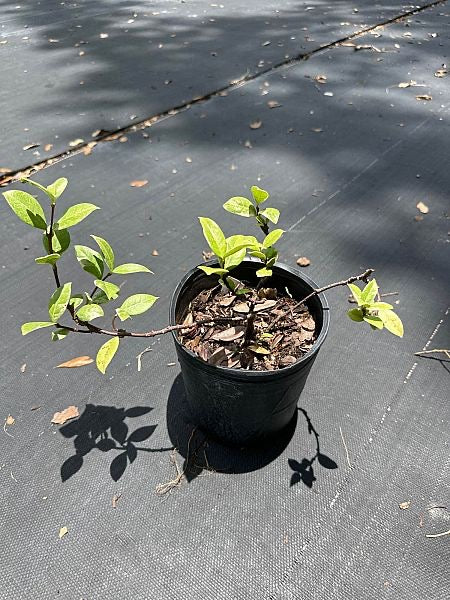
(139, 183)
(248, 144)
(229, 335)
(48, 147)
(407, 84)
(309, 324)
(30, 146)
(76, 142)
(217, 357)
(23, 367)
(303, 261)
(255, 124)
(317, 129)
(5, 170)
(10, 420)
(264, 305)
(320, 78)
(115, 500)
(423, 208)
(404, 505)
(155, 252)
(273, 104)
(241, 307)
(62, 532)
(59, 418)
(79, 361)
(441, 73)
(88, 148)
(424, 97)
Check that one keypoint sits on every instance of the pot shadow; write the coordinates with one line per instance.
(104, 428)
(304, 471)
(202, 452)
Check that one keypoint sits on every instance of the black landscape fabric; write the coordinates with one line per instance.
(342, 503)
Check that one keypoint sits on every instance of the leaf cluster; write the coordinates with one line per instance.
(377, 314)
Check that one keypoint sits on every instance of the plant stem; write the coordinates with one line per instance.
(361, 277)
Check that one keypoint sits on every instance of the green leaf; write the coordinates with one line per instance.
(355, 314)
(392, 322)
(356, 292)
(135, 305)
(106, 250)
(258, 349)
(272, 238)
(106, 354)
(273, 214)
(26, 207)
(50, 259)
(60, 241)
(57, 187)
(59, 301)
(237, 242)
(76, 300)
(36, 184)
(235, 259)
(90, 260)
(214, 236)
(130, 268)
(33, 325)
(88, 312)
(111, 289)
(264, 272)
(75, 214)
(375, 322)
(213, 271)
(239, 205)
(258, 254)
(381, 306)
(259, 195)
(369, 292)
(59, 334)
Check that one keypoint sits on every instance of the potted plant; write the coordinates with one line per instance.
(246, 328)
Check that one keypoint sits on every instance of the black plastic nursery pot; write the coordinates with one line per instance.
(241, 407)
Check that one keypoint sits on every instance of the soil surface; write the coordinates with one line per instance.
(265, 345)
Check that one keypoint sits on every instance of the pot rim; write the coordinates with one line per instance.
(239, 373)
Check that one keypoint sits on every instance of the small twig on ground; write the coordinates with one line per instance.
(4, 429)
(346, 449)
(163, 488)
(436, 350)
(435, 535)
(139, 357)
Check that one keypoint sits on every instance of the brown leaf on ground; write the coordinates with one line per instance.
(10, 420)
(207, 254)
(23, 367)
(320, 78)
(404, 505)
(423, 208)
(303, 261)
(217, 357)
(264, 305)
(79, 361)
(317, 129)
(48, 147)
(139, 183)
(76, 142)
(273, 104)
(424, 97)
(59, 418)
(441, 73)
(115, 500)
(229, 335)
(309, 324)
(62, 532)
(155, 252)
(256, 124)
(4, 170)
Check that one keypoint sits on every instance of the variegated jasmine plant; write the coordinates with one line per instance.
(84, 307)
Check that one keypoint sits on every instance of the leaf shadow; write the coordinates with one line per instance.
(303, 471)
(104, 428)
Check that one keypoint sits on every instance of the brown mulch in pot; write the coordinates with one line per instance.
(227, 345)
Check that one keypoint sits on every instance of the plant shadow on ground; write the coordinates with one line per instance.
(304, 471)
(202, 453)
(104, 428)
